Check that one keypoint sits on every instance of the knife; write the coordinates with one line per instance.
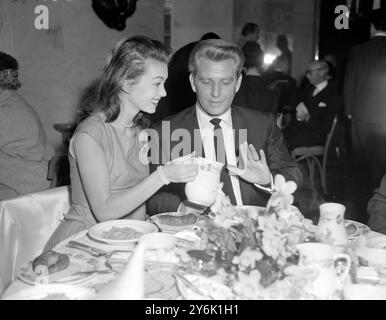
(89, 249)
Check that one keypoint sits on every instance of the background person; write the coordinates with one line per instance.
(318, 104)
(24, 152)
(249, 32)
(364, 92)
(253, 92)
(376, 208)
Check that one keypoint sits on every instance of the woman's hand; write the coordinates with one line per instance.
(252, 168)
(181, 169)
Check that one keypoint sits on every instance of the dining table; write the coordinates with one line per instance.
(90, 268)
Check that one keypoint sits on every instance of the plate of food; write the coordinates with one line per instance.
(355, 229)
(54, 267)
(173, 222)
(121, 232)
(52, 292)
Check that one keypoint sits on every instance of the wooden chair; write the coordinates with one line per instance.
(312, 154)
(59, 171)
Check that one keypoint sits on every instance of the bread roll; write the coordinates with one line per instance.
(183, 220)
(52, 260)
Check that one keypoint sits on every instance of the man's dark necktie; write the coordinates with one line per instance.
(219, 147)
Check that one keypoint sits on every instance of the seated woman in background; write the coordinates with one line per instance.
(109, 172)
(24, 152)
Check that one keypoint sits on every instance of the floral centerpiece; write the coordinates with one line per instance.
(252, 250)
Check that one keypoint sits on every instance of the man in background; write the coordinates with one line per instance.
(250, 32)
(253, 92)
(318, 104)
(364, 94)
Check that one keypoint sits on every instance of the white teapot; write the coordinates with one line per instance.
(203, 190)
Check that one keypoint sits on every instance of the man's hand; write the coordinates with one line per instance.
(252, 168)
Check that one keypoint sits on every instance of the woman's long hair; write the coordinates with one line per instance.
(126, 61)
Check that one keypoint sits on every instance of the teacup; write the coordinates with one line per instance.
(203, 190)
(322, 258)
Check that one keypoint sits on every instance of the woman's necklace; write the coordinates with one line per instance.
(127, 128)
(125, 125)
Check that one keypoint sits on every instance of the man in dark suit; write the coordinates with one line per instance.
(179, 93)
(215, 76)
(365, 100)
(318, 104)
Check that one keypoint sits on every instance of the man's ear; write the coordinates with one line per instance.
(238, 84)
(191, 79)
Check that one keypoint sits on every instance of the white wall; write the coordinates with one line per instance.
(193, 18)
(56, 64)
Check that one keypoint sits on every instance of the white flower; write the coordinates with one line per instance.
(282, 196)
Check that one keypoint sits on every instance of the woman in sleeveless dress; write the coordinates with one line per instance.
(107, 153)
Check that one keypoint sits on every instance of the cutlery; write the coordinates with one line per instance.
(191, 286)
(89, 249)
(82, 274)
(95, 252)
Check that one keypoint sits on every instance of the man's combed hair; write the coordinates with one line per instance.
(216, 50)
(126, 61)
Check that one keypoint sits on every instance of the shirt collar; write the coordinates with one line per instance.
(322, 85)
(380, 34)
(204, 118)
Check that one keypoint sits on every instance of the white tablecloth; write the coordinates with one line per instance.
(169, 290)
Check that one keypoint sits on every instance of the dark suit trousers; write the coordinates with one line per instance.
(369, 147)
(297, 135)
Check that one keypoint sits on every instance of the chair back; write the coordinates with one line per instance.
(26, 223)
(59, 171)
(329, 137)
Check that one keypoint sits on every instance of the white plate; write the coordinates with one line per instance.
(52, 292)
(364, 292)
(143, 227)
(209, 289)
(169, 228)
(361, 229)
(67, 276)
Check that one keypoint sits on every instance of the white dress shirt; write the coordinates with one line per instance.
(207, 134)
(319, 87)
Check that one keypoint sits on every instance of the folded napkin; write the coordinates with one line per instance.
(130, 284)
